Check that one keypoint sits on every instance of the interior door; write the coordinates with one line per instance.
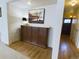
(66, 29)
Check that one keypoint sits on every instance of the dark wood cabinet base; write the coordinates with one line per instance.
(35, 35)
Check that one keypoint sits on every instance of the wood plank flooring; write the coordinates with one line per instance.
(31, 51)
(67, 49)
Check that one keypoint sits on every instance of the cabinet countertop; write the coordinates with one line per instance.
(37, 26)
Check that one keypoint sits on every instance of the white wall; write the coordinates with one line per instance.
(74, 31)
(15, 15)
(57, 28)
(77, 31)
(4, 22)
(76, 34)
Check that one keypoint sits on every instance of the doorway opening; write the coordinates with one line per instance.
(69, 34)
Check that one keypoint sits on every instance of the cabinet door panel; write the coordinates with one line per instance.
(28, 34)
(23, 33)
(34, 35)
(43, 36)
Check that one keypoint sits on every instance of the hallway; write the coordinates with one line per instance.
(67, 49)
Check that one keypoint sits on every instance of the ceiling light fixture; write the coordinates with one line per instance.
(29, 2)
(71, 16)
(73, 2)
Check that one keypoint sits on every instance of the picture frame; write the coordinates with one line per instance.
(37, 16)
(0, 12)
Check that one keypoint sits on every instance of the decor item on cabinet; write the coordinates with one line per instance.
(0, 12)
(35, 35)
(24, 19)
(37, 16)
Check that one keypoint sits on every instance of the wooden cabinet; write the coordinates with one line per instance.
(35, 35)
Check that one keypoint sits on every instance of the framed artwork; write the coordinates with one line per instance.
(0, 12)
(37, 16)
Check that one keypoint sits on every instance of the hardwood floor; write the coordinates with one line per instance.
(33, 52)
(67, 49)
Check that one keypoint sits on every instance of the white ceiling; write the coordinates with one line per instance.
(34, 3)
(39, 1)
